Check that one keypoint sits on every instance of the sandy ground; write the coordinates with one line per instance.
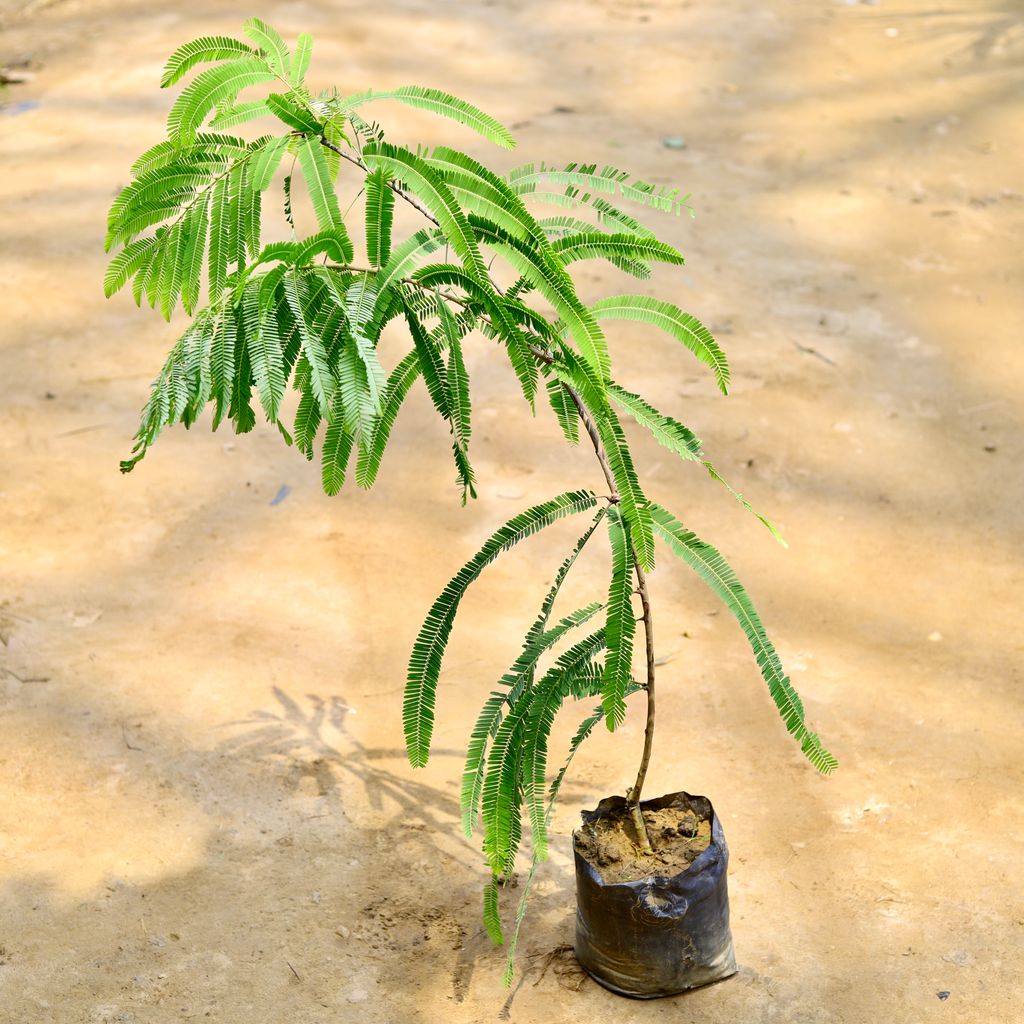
(205, 810)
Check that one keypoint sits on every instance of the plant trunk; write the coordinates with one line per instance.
(633, 796)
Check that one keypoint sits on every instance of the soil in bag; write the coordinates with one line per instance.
(653, 924)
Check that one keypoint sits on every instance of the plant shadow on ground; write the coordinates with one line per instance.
(293, 735)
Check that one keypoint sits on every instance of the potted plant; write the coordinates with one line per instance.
(652, 911)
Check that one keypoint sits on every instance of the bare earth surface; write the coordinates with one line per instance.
(205, 810)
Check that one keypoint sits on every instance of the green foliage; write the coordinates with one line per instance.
(717, 574)
(621, 624)
(380, 205)
(201, 51)
(437, 102)
(666, 431)
(672, 320)
(290, 329)
(428, 650)
(610, 180)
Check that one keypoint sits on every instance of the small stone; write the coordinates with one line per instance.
(358, 995)
(943, 995)
(674, 142)
(342, 931)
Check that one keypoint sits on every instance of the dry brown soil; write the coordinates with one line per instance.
(677, 838)
(205, 812)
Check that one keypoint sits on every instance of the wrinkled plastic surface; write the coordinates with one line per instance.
(658, 936)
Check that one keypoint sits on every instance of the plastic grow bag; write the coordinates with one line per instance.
(661, 935)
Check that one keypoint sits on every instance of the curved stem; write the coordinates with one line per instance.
(634, 793)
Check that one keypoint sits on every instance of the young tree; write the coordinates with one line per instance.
(309, 312)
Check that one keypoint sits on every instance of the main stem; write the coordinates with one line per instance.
(633, 795)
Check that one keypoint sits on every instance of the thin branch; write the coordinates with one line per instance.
(397, 189)
(633, 796)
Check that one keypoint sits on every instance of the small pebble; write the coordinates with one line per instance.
(358, 995)
(942, 995)
(674, 142)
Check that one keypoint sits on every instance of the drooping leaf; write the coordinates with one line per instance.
(682, 326)
(557, 287)
(322, 376)
(380, 204)
(772, 528)
(632, 501)
(492, 916)
(431, 365)
(125, 264)
(199, 51)
(318, 183)
(428, 650)
(429, 186)
(437, 102)
(210, 87)
(219, 237)
(266, 162)
(609, 180)
(337, 447)
(230, 115)
(307, 421)
(669, 433)
(266, 356)
(518, 679)
(372, 447)
(296, 116)
(564, 409)
(709, 564)
(621, 623)
(198, 220)
(241, 411)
